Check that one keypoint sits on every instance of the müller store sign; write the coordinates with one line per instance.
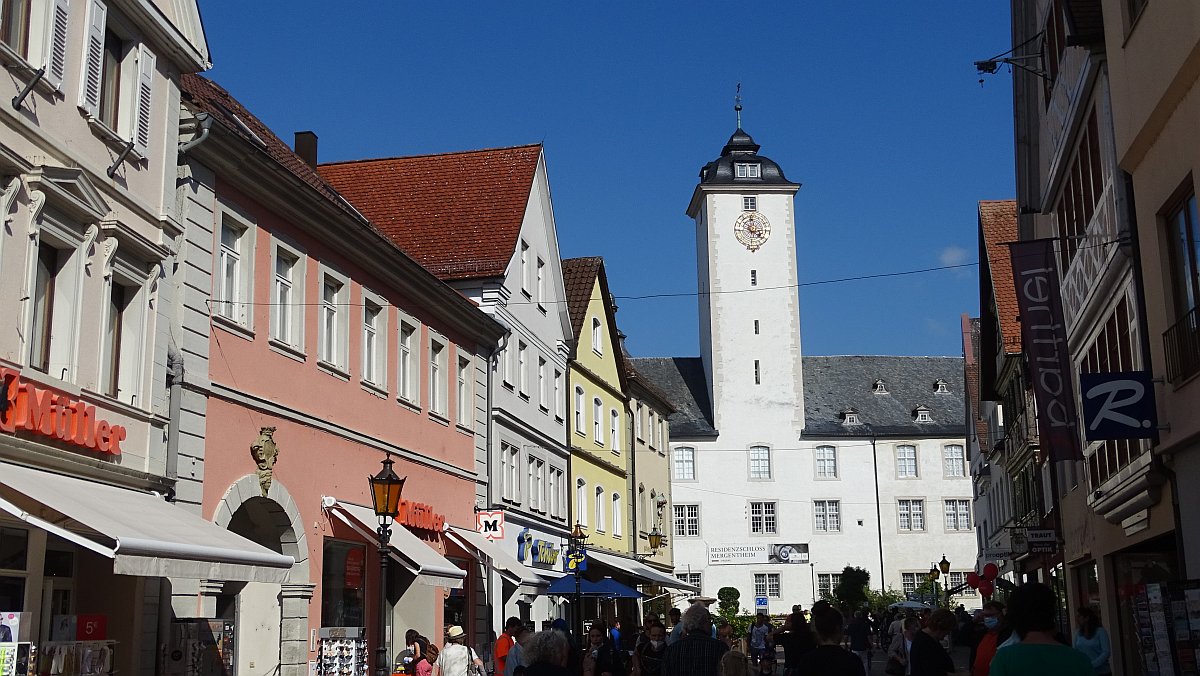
(25, 406)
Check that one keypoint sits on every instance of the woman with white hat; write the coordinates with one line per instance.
(457, 659)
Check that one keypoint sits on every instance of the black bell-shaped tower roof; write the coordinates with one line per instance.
(741, 149)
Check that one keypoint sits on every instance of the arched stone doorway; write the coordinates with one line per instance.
(272, 620)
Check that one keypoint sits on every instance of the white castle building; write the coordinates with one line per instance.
(786, 468)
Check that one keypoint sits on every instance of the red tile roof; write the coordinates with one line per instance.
(998, 226)
(579, 278)
(457, 214)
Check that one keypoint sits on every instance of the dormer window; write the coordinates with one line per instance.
(921, 413)
(850, 417)
(749, 203)
(747, 170)
(939, 387)
(879, 387)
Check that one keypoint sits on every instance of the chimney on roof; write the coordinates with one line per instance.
(306, 147)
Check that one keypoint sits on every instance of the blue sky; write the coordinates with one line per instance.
(873, 106)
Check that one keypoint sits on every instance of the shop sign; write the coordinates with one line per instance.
(490, 524)
(723, 555)
(91, 627)
(1118, 405)
(1041, 535)
(420, 516)
(541, 552)
(576, 559)
(1044, 338)
(25, 406)
(355, 563)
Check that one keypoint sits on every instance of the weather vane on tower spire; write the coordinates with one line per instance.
(737, 104)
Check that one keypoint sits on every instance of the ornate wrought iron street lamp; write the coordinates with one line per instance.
(386, 488)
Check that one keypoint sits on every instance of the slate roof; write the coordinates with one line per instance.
(208, 96)
(742, 148)
(681, 379)
(997, 227)
(833, 384)
(458, 214)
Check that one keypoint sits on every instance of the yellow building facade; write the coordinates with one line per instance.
(598, 407)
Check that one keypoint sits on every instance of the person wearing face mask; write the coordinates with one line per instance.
(648, 657)
(993, 617)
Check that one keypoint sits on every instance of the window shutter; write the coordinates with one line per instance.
(93, 58)
(145, 98)
(56, 56)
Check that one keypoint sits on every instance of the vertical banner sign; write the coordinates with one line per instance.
(1044, 338)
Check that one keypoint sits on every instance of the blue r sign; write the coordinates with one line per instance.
(1118, 405)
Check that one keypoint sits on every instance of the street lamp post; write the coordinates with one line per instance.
(577, 541)
(932, 576)
(386, 488)
(812, 570)
(944, 566)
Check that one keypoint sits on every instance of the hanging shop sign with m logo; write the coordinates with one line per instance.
(1118, 405)
(1044, 338)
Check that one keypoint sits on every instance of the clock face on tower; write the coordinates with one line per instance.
(752, 229)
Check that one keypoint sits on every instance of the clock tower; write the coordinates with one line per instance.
(749, 299)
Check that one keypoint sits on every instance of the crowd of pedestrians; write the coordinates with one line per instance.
(1018, 640)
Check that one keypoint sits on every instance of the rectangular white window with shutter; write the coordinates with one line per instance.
(117, 77)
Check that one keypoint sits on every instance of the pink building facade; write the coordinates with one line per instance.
(324, 348)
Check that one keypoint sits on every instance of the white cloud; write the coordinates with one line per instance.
(953, 255)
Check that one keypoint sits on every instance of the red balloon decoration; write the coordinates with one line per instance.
(973, 580)
(986, 588)
(990, 572)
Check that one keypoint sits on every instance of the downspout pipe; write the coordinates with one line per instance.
(204, 123)
(174, 394)
(878, 508)
(493, 598)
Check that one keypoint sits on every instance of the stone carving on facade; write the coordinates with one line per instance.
(265, 452)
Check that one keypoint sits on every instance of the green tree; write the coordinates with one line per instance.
(851, 591)
(878, 601)
(729, 605)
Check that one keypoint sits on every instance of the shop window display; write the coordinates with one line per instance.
(342, 584)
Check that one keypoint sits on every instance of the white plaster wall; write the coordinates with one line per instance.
(724, 491)
(778, 400)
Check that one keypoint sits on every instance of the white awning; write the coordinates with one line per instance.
(142, 533)
(408, 550)
(526, 578)
(636, 569)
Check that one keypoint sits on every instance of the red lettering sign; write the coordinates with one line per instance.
(28, 407)
(420, 516)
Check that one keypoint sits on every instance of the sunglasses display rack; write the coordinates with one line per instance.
(343, 652)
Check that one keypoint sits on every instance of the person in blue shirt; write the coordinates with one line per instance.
(1092, 640)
